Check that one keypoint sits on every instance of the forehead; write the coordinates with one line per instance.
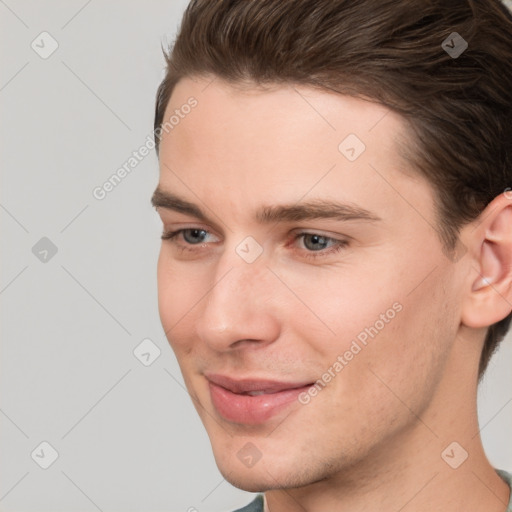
(288, 110)
(278, 144)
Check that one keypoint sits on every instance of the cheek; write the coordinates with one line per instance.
(178, 293)
(342, 305)
(405, 361)
(383, 324)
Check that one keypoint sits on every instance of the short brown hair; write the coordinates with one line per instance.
(458, 108)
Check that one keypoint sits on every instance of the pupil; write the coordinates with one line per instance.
(317, 239)
(196, 235)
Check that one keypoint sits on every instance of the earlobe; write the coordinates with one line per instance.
(489, 297)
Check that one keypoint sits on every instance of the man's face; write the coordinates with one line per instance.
(261, 296)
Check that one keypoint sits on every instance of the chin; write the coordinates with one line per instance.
(269, 474)
(252, 479)
(249, 483)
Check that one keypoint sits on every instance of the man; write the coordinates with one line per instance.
(336, 263)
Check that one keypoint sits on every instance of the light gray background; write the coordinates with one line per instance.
(127, 435)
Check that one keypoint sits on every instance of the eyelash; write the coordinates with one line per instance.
(340, 244)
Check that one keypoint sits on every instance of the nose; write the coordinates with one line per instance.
(240, 307)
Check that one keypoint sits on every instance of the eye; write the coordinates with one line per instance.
(192, 236)
(315, 242)
(313, 246)
(318, 246)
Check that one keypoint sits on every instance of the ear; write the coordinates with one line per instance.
(489, 281)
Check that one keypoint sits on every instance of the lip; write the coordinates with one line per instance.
(230, 399)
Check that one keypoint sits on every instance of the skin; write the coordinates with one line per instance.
(374, 435)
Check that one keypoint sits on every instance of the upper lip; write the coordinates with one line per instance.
(248, 385)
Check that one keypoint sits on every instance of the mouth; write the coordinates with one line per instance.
(252, 401)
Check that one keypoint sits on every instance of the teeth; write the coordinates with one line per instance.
(256, 393)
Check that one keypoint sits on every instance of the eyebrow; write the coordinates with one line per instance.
(315, 209)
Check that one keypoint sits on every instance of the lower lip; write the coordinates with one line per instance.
(252, 410)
